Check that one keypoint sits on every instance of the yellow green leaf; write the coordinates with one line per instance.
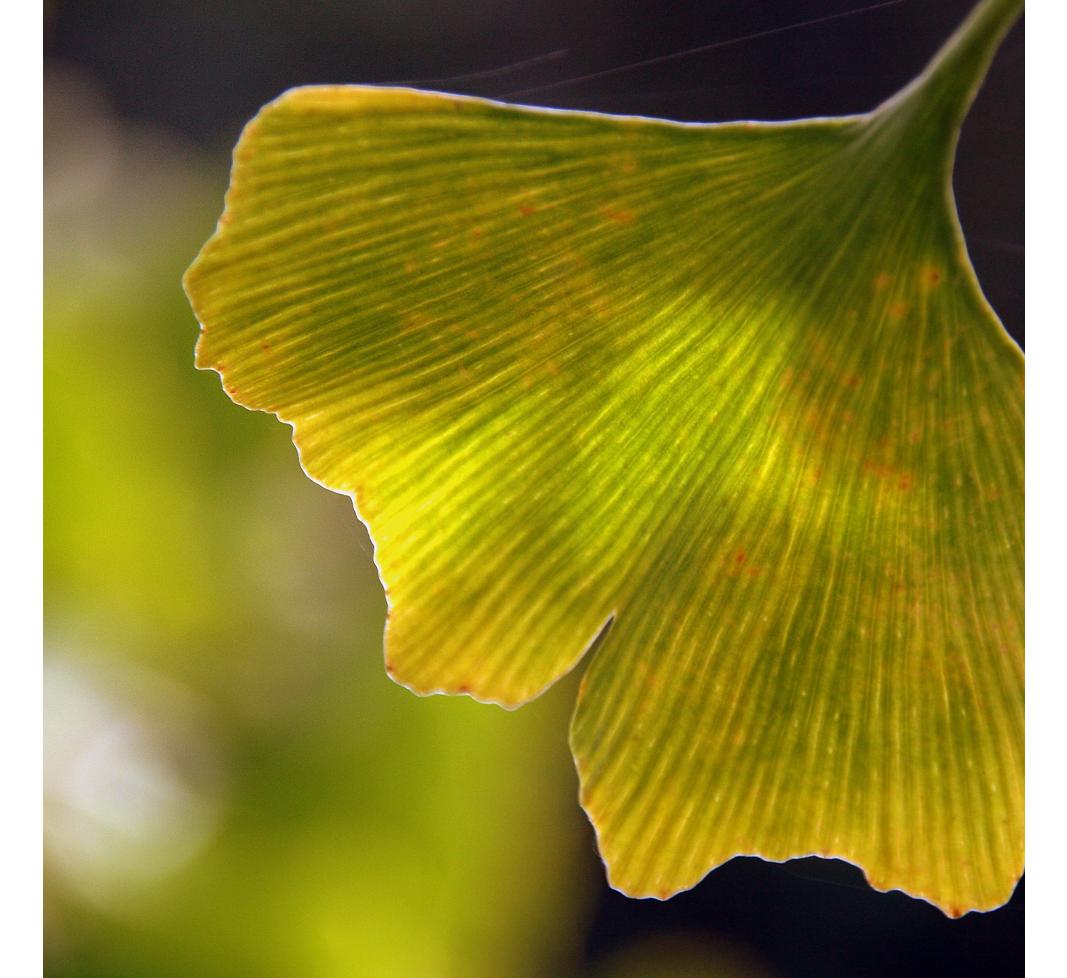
(732, 388)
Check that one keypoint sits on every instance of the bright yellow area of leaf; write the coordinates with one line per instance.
(733, 388)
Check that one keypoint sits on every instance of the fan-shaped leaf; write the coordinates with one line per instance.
(732, 388)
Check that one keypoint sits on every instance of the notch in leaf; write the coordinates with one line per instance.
(733, 388)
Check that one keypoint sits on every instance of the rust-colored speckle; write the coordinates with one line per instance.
(477, 233)
(882, 281)
(740, 558)
(852, 380)
(930, 276)
(905, 483)
(664, 893)
(552, 367)
(618, 216)
(463, 688)
(265, 346)
(527, 209)
(898, 310)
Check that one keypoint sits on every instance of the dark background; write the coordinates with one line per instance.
(201, 69)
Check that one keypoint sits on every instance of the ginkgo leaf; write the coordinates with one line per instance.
(732, 389)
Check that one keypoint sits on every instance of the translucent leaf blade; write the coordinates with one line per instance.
(733, 388)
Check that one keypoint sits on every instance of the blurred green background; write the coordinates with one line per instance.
(233, 786)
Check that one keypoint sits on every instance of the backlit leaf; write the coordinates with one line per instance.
(732, 388)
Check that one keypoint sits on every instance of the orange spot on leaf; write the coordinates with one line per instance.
(930, 276)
